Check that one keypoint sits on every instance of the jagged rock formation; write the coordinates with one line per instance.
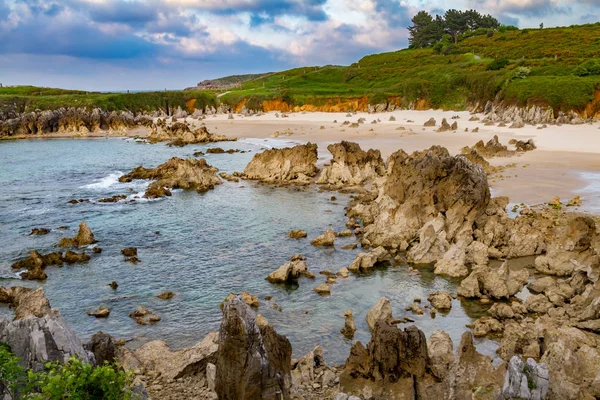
(527, 380)
(38, 334)
(289, 165)
(493, 148)
(290, 272)
(351, 165)
(84, 237)
(365, 261)
(534, 115)
(69, 120)
(177, 173)
(36, 263)
(253, 362)
(429, 196)
(181, 134)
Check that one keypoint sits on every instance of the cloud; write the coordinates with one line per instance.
(174, 43)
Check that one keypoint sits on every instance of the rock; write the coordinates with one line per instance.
(440, 300)
(326, 239)
(493, 148)
(527, 145)
(322, 289)
(365, 261)
(528, 380)
(171, 365)
(297, 234)
(484, 326)
(501, 311)
(250, 299)
(113, 285)
(538, 303)
(288, 165)
(440, 351)
(307, 369)
(382, 311)
(71, 257)
(39, 231)
(574, 202)
(345, 233)
(253, 363)
(84, 237)
(129, 252)
(343, 272)
(484, 281)
(39, 340)
(290, 272)
(349, 327)
(351, 165)
(445, 126)
(453, 261)
(101, 312)
(113, 199)
(181, 134)
(28, 303)
(211, 376)
(156, 192)
(190, 174)
(430, 122)
(228, 177)
(103, 348)
(143, 316)
(166, 295)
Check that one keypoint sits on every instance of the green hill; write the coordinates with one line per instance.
(556, 67)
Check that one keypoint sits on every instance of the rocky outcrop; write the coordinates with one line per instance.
(253, 362)
(534, 115)
(493, 148)
(84, 237)
(34, 265)
(289, 165)
(327, 238)
(38, 334)
(177, 173)
(70, 120)
(495, 284)
(381, 311)
(351, 165)
(181, 134)
(527, 380)
(428, 201)
(441, 301)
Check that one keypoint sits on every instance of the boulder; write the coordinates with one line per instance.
(290, 272)
(366, 261)
(100, 312)
(381, 311)
(143, 316)
(103, 347)
(129, 252)
(351, 165)
(430, 122)
(445, 126)
(297, 234)
(441, 301)
(440, 351)
(528, 380)
(166, 295)
(289, 165)
(326, 239)
(322, 289)
(253, 363)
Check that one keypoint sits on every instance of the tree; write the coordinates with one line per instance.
(425, 31)
(454, 23)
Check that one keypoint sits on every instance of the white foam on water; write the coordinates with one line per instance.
(271, 143)
(105, 182)
(593, 182)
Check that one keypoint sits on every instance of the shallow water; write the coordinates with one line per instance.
(200, 246)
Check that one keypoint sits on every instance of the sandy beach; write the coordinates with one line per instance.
(565, 164)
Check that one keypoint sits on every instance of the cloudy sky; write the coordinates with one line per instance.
(155, 44)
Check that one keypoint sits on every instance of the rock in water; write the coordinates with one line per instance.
(177, 173)
(289, 165)
(325, 239)
(253, 362)
(180, 134)
(84, 237)
(382, 311)
(351, 165)
(349, 326)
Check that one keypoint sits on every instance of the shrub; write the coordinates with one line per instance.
(498, 64)
(521, 73)
(590, 67)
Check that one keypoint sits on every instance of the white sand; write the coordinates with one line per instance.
(566, 163)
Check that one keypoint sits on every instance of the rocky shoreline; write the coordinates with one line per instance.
(425, 208)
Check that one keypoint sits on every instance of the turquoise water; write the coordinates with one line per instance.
(226, 240)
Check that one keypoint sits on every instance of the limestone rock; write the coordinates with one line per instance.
(322, 289)
(84, 237)
(101, 312)
(351, 165)
(382, 311)
(528, 380)
(253, 363)
(430, 122)
(191, 174)
(181, 134)
(349, 327)
(290, 272)
(326, 239)
(441, 300)
(289, 165)
(297, 234)
(365, 261)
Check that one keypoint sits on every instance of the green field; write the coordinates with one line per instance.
(29, 98)
(558, 67)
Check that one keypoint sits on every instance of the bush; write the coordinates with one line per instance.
(521, 73)
(590, 67)
(498, 64)
(73, 380)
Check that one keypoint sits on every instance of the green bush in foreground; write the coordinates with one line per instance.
(74, 380)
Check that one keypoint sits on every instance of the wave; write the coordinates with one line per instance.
(105, 182)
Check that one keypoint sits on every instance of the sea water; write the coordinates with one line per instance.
(199, 246)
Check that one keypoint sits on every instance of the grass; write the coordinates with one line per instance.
(454, 81)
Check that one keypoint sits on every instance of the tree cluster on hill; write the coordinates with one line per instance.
(427, 31)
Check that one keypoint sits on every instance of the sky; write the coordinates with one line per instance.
(157, 44)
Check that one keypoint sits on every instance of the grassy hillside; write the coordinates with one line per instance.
(541, 68)
(29, 98)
